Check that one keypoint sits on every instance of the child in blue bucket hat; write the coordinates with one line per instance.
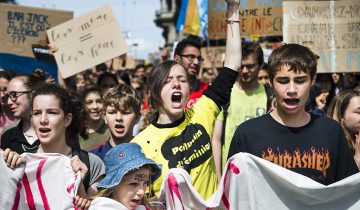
(128, 174)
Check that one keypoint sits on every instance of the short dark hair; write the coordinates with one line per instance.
(6, 74)
(185, 43)
(105, 75)
(70, 104)
(124, 76)
(123, 97)
(298, 57)
(251, 48)
(90, 89)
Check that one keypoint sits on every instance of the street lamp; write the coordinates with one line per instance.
(135, 45)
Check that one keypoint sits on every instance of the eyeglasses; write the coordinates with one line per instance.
(192, 57)
(248, 66)
(13, 95)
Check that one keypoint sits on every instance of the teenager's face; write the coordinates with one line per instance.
(121, 124)
(192, 66)
(175, 92)
(94, 106)
(48, 119)
(20, 105)
(351, 118)
(249, 70)
(291, 90)
(131, 190)
(263, 77)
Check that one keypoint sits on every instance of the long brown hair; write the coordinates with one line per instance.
(337, 109)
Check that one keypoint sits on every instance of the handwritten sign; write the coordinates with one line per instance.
(330, 29)
(263, 18)
(21, 27)
(217, 52)
(87, 41)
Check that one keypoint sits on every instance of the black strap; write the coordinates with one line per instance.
(225, 114)
(269, 91)
(84, 157)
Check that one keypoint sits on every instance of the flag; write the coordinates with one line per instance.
(192, 18)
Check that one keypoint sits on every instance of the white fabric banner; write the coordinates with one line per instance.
(45, 182)
(253, 183)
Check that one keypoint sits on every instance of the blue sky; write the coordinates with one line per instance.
(134, 16)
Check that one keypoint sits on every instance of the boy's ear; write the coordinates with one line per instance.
(313, 80)
(68, 119)
(176, 58)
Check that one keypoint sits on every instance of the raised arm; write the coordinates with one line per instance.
(220, 90)
(233, 41)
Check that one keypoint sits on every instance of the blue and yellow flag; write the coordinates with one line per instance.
(193, 17)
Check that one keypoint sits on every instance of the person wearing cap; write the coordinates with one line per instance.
(128, 174)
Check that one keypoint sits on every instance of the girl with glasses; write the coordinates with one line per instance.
(20, 136)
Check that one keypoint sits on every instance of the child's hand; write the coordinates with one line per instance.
(78, 165)
(82, 203)
(156, 205)
(12, 158)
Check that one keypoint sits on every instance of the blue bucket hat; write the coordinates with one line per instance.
(123, 158)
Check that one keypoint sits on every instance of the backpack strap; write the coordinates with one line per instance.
(269, 91)
(225, 114)
(84, 157)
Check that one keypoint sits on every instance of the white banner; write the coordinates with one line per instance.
(46, 182)
(253, 183)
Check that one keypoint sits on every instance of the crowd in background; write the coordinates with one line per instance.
(106, 106)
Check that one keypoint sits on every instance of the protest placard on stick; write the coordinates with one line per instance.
(217, 52)
(262, 18)
(21, 27)
(331, 29)
(87, 41)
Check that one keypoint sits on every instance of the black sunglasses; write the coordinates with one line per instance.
(248, 66)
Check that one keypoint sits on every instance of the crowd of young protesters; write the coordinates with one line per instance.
(247, 106)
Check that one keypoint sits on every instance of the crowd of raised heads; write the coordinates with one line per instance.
(143, 114)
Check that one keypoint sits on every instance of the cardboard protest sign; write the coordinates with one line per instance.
(87, 41)
(262, 18)
(329, 29)
(218, 52)
(22, 27)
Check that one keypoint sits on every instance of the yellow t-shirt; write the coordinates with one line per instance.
(185, 143)
(243, 106)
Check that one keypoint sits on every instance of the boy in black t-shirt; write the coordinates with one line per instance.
(289, 136)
